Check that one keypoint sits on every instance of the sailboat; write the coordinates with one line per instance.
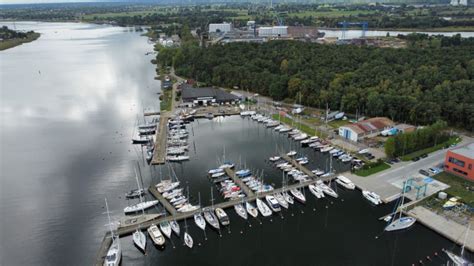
(288, 198)
(298, 195)
(188, 240)
(263, 208)
(166, 228)
(459, 260)
(240, 210)
(327, 190)
(175, 227)
(281, 200)
(114, 254)
(401, 222)
(251, 209)
(211, 218)
(139, 238)
(198, 218)
(316, 191)
(140, 206)
(156, 235)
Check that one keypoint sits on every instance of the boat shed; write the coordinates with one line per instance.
(366, 128)
(207, 96)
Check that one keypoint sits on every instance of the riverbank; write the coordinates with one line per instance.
(7, 44)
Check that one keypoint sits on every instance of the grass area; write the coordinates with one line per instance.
(458, 187)
(306, 129)
(6, 44)
(99, 16)
(166, 99)
(451, 141)
(377, 167)
(338, 123)
(333, 13)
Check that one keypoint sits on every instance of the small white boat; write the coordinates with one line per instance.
(156, 235)
(281, 200)
(114, 254)
(288, 198)
(327, 190)
(274, 158)
(140, 206)
(400, 223)
(166, 229)
(251, 209)
(326, 149)
(199, 220)
(217, 174)
(345, 182)
(273, 203)
(298, 195)
(363, 151)
(316, 191)
(214, 171)
(188, 240)
(240, 210)
(179, 158)
(263, 208)
(451, 203)
(372, 197)
(222, 216)
(175, 227)
(291, 153)
(139, 239)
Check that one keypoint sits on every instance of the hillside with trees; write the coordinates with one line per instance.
(431, 80)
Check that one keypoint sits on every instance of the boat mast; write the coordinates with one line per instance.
(139, 189)
(108, 216)
(465, 239)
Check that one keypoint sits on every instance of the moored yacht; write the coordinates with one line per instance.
(251, 209)
(288, 198)
(166, 229)
(188, 240)
(140, 206)
(156, 235)
(273, 203)
(345, 182)
(316, 191)
(372, 197)
(263, 208)
(222, 216)
(211, 218)
(139, 240)
(298, 195)
(240, 210)
(281, 200)
(175, 227)
(199, 220)
(327, 190)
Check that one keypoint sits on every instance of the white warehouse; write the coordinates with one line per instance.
(275, 31)
(220, 27)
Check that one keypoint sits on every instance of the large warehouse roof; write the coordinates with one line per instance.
(190, 93)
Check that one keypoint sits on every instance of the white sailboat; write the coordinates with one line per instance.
(298, 195)
(139, 238)
(459, 260)
(288, 198)
(175, 227)
(316, 191)
(166, 228)
(140, 206)
(401, 222)
(156, 235)
(114, 253)
(211, 218)
(263, 208)
(251, 209)
(188, 240)
(281, 200)
(327, 190)
(198, 218)
(345, 182)
(240, 210)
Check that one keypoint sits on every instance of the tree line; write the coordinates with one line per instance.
(406, 143)
(418, 85)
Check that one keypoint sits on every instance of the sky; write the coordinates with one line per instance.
(43, 1)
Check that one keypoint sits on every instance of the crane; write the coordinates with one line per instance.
(345, 24)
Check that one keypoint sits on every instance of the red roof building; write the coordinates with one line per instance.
(461, 162)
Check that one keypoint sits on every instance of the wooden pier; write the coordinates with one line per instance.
(162, 200)
(239, 182)
(298, 166)
(159, 154)
(124, 230)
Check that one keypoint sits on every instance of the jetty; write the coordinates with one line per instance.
(161, 136)
(239, 182)
(298, 166)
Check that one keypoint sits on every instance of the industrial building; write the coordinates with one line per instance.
(220, 27)
(275, 31)
(206, 96)
(458, 3)
(365, 129)
(461, 162)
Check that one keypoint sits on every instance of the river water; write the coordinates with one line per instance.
(69, 103)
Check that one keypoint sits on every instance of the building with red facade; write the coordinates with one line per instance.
(461, 162)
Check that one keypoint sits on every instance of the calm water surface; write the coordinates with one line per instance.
(69, 102)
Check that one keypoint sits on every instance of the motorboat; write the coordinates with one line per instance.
(451, 203)
(139, 239)
(175, 227)
(301, 137)
(140, 206)
(318, 172)
(284, 129)
(135, 193)
(199, 220)
(243, 173)
(273, 203)
(281, 200)
(345, 182)
(400, 223)
(166, 185)
(372, 197)
(156, 235)
(327, 190)
(215, 171)
(166, 229)
(188, 240)
(179, 158)
(240, 210)
(114, 254)
(140, 140)
(288, 198)
(222, 216)
(274, 158)
(316, 191)
(291, 153)
(334, 151)
(218, 174)
(298, 195)
(263, 208)
(326, 149)
(211, 218)
(251, 209)
(227, 165)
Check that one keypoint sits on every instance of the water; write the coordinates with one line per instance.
(69, 102)
(351, 34)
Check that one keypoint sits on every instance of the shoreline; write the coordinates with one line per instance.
(7, 44)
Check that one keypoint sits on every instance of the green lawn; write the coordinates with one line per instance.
(332, 13)
(165, 104)
(458, 187)
(338, 123)
(451, 141)
(373, 170)
(6, 44)
(306, 129)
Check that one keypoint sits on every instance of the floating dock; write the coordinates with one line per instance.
(300, 167)
(170, 208)
(239, 182)
(161, 136)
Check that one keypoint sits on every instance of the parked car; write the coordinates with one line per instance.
(434, 170)
(424, 172)
(424, 155)
(415, 159)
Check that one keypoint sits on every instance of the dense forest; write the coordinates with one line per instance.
(419, 85)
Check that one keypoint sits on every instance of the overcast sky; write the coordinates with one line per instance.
(43, 1)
